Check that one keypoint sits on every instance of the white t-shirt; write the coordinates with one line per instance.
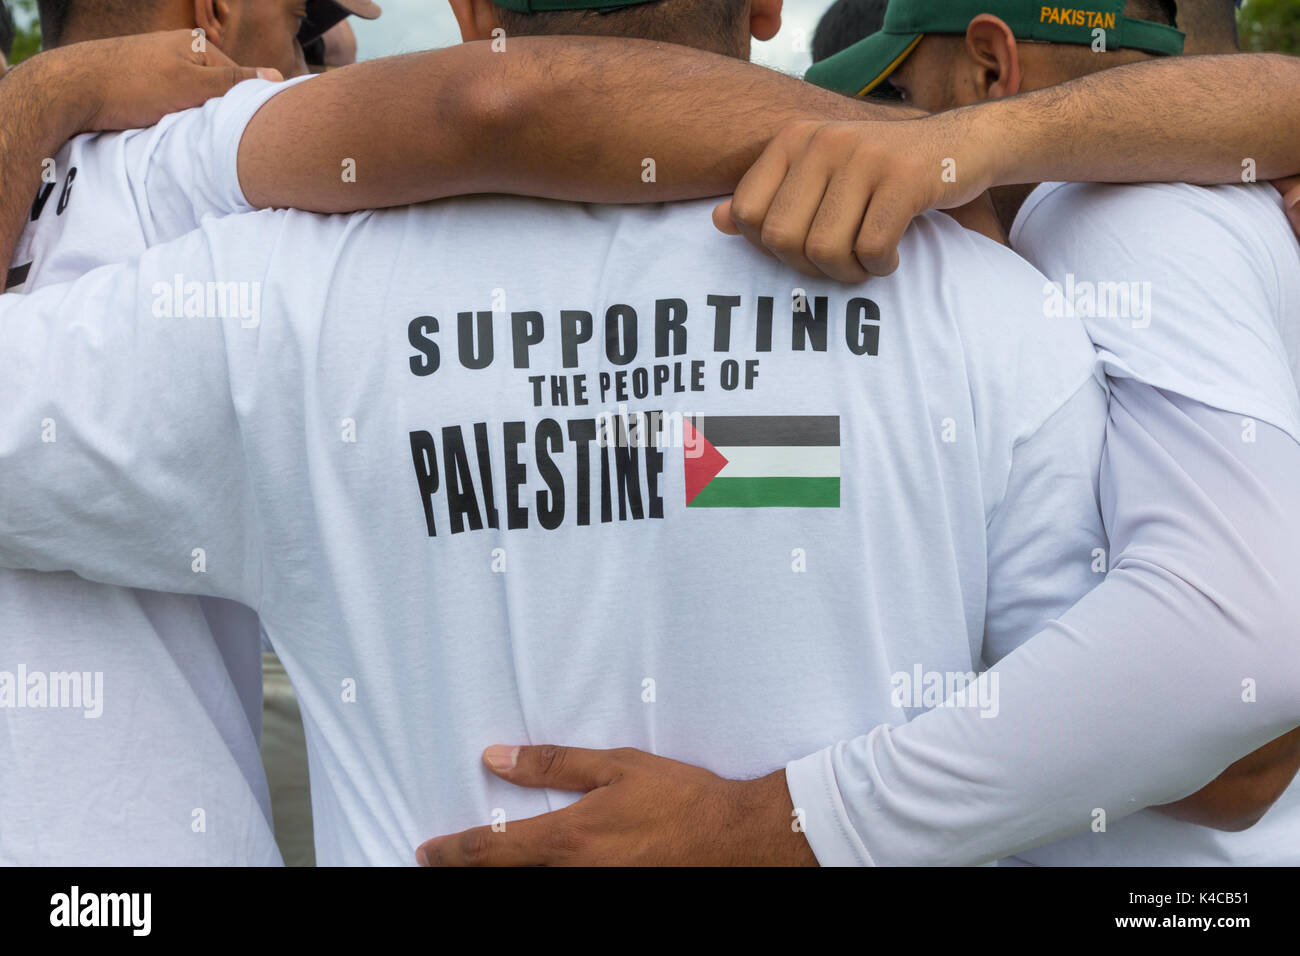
(168, 772)
(884, 487)
(1204, 426)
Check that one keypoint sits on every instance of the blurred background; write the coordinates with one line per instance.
(409, 25)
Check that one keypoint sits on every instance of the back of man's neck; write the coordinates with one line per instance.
(164, 19)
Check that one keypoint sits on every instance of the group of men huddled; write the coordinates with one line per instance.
(955, 554)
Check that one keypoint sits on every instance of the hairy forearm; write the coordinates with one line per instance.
(41, 106)
(1183, 119)
(580, 118)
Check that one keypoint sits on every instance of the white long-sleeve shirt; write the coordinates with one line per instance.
(1180, 662)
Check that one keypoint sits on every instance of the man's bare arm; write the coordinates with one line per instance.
(561, 117)
(1168, 120)
(119, 83)
(835, 198)
(35, 120)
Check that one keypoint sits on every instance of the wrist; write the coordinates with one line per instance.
(1002, 131)
(772, 834)
(972, 136)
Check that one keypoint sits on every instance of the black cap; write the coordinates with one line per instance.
(324, 14)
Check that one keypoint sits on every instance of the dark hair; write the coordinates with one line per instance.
(716, 25)
(313, 51)
(1157, 11)
(843, 25)
(110, 17)
(6, 30)
(54, 17)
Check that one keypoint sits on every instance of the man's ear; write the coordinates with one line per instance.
(764, 18)
(211, 16)
(994, 57)
(477, 18)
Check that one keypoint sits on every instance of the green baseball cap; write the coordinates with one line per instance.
(862, 67)
(541, 6)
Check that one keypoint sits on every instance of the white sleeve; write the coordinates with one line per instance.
(1183, 660)
(187, 166)
(121, 453)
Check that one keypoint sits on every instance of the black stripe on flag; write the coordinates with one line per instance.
(774, 430)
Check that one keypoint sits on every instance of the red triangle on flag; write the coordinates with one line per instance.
(703, 461)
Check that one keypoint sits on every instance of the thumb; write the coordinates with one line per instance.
(556, 768)
(215, 64)
(723, 221)
(218, 80)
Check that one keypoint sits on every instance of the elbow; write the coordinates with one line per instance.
(1233, 824)
(487, 103)
(1238, 824)
(1246, 806)
(1239, 797)
(1242, 815)
(1231, 805)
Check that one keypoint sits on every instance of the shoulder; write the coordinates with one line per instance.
(1173, 216)
(226, 115)
(987, 285)
(1023, 361)
(1228, 241)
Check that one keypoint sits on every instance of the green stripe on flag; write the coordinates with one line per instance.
(769, 493)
